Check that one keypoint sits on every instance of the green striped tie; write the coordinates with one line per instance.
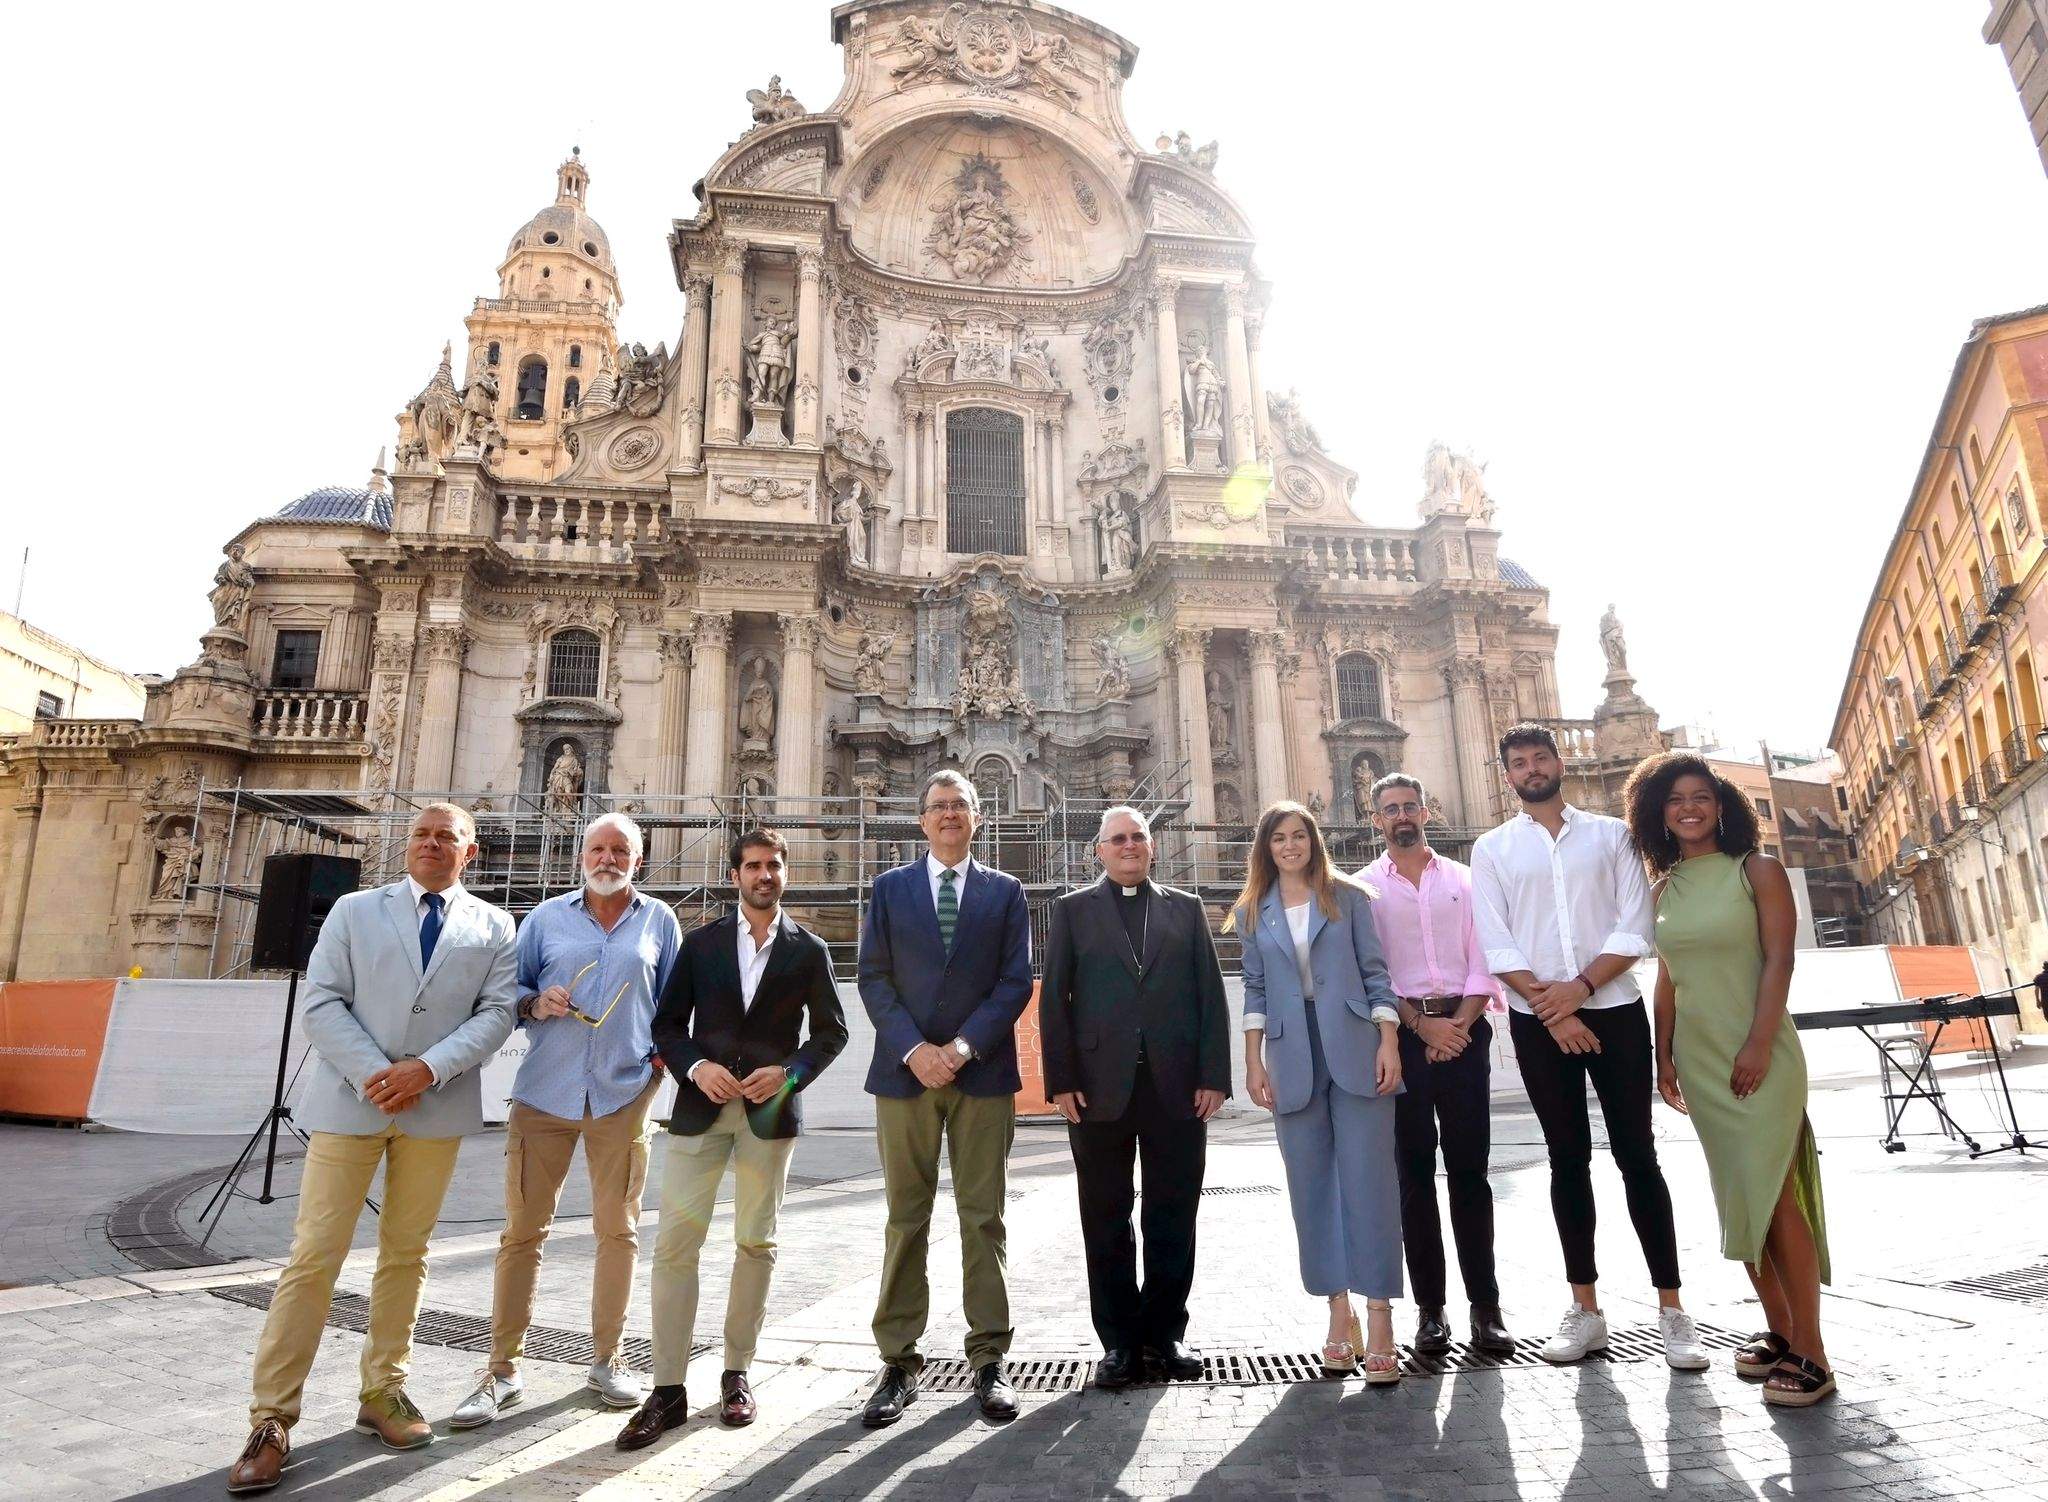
(949, 909)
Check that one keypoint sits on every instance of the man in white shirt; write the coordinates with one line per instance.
(742, 989)
(1563, 911)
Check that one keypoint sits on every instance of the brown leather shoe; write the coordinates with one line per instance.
(262, 1459)
(389, 1414)
(735, 1400)
(656, 1417)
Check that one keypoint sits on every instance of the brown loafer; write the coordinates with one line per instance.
(389, 1414)
(735, 1400)
(262, 1459)
(656, 1417)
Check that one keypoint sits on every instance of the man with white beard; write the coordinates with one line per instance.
(592, 964)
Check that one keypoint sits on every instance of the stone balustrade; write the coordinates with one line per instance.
(78, 735)
(1575, 739)
(322, 718)
(1383, 557)
(588, 528)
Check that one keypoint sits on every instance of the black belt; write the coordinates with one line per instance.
(1435, 1006)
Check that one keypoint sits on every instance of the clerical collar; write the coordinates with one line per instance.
(1131, 891)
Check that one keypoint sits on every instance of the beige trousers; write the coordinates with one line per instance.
(337, 1176)
(538, 1148)
(689, 1190)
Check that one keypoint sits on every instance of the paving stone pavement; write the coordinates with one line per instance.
(127, 1386)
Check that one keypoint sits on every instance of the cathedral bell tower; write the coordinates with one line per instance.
(550, 331)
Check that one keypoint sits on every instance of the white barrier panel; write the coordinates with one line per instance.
(191, 1057)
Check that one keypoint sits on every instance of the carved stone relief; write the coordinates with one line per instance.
(976, 233)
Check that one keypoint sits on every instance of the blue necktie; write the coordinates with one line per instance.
(430, 928)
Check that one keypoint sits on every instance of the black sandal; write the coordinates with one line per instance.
(1755, 1357)
(1814, 1383)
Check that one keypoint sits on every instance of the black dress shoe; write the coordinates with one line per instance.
(1177, 1361)
(993, 1392)
(656, 1417)
(1118, 1369)
(891, 1396)
(735, 1400)
(1432, 1331)
(1489, 1333)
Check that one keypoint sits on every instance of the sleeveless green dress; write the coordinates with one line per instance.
(1707, 939)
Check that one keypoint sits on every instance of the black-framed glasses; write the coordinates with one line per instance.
(1401, 810)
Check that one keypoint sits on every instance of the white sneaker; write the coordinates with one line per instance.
(1580, 1331)
(618, 1384)
(1682, 1348)
(493, 1394)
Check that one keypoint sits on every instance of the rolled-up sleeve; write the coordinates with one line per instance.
(1635, 916)
(1490, 916)
(1479, 978)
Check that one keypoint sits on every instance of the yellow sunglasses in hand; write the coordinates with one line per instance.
(584, 1017)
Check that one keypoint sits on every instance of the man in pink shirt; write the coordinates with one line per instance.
(1442, 983)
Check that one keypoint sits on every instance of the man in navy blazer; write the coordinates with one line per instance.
(945, 972)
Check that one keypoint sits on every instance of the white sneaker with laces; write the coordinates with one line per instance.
(493, 1394)
(1580, 1331)
(1682, 1348)
(618, 1384)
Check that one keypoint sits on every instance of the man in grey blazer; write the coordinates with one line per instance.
(411, 988)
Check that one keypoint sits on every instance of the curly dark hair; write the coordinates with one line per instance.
(1649, 785)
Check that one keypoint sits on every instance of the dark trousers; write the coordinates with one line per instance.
(1172, 1154)
(1622, 1077)
(1446, 1104)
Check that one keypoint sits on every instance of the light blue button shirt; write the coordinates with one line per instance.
(570, 1065)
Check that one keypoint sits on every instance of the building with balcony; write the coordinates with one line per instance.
(1939, 725)
(45, 678)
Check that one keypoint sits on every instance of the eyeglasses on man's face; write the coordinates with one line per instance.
(950, 806)
(1129, 837)
(1400, 810)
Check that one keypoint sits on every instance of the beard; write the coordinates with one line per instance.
(606, 883)
(1406, 835)
(1538, 792)
(760, 899)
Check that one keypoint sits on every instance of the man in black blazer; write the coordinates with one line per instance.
(945, 972)
(1135, 1034)
(727, 1027)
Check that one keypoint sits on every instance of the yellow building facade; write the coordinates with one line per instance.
(1940, 725)
(45, 678)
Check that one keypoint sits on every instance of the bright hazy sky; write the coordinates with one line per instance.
(1691, 278)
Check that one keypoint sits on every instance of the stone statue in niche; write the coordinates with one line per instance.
(1364, 773)
(1314, 802)
(757, 711)
(773, 104)
(1119, 536)
(177, 859)
(1038, 347)
(975, 233)
(1202, 387)
(1614, 644)
(990, 685)
(851, 513)
(640, 377)
(870, 657)
(1229, 806)
(1218, 688)
(565, 783)
(233, 583)
(479, 407)
(1114, 682)
(768, 363)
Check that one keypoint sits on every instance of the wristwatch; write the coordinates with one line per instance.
(526, 1007)
(961, 1047)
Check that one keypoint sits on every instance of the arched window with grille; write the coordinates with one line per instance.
(572, 393)
(984, 481)
(532, 403)
(1358, 688)
(575, 357)
(572, 665)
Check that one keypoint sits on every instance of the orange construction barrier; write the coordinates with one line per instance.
(1031, 1100)
(1941, 970)
(51, 1036)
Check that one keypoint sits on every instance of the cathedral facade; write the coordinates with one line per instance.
(964, 455)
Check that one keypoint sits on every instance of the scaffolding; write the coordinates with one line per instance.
(529, 851)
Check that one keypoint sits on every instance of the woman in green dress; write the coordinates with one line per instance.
(1728, 1056)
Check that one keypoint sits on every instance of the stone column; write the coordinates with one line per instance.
(728, 321)
(1173, 450)
(1290, 715)
(704, 769)
(1190, 648)
(810, 346)
(434, 767)
(796, 731)
(1237, 379)
(674, 731)
(1269, 729)
(1466, 682)
(696, 360)
(28, 818)
(1262, 420)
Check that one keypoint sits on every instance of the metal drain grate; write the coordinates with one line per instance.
(2023, 1285)
(951, 1374)
(461, 1332)
(1242, 1189)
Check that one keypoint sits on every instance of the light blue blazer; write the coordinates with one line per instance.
(1350, 980)
(368, 1003)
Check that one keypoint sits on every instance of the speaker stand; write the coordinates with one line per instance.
(279, 1115)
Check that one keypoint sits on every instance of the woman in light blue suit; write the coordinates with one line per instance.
(1322, 1052)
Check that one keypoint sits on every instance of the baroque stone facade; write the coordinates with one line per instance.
(963, 454)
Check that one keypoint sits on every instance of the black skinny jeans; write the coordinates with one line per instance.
(1622, 1074)
(1447, 1104)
